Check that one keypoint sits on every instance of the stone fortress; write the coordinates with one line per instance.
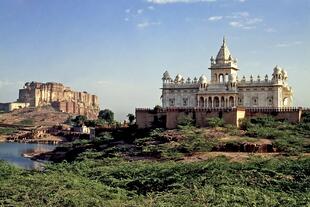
(224, 89)
(60, 97)
(224, 95)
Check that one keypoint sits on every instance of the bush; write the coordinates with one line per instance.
(215, 122)
(266, 132)
(291, 145)
(185, 120)
(306, 117)
(265, 121)
(7, 131)
(232, 130)
(28, 122)
(245, 124)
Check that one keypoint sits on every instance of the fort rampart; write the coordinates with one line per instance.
(169, 117)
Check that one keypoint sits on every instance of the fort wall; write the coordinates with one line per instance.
(146, 117)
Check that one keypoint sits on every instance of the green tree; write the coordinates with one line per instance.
(131, 118)
(79, 120)
(106, 115)
(157, 108)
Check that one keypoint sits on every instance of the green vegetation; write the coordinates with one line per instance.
(79, 120)
(7, 130)
(26, 122)
(290, 138)
(185, 120)
(93, 181)
(131, 118)
(215, 122)
(149, 168)
(106, 115)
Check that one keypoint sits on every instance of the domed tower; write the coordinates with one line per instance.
(203, 82)
(166, 77)
(277, 75)
(223, 65)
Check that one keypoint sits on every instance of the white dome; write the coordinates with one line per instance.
(203, 79)
(277, 70)
(178, 78)
(166, 76)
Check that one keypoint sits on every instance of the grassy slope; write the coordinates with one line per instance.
(100, 176)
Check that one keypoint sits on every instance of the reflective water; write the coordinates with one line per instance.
(12, 153)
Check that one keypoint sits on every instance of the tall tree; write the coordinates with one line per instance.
(131, 118)
(79, 120)
(106, 115)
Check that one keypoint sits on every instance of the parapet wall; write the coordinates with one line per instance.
(292, 115)
(146, 117)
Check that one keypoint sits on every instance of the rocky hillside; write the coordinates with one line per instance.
(41, 116)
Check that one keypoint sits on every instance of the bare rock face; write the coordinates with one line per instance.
(60, 97)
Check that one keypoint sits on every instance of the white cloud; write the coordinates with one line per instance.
(127, 11)
(151, 8)
(126, 19)
(243, 20)
(238, 15)
(215, 18)
(270, 30)
(289, 44)
(177, 1)
(236, 24)
(139, 11)
(147, 24)
(253, 21)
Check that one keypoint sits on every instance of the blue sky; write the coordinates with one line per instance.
(118, 49)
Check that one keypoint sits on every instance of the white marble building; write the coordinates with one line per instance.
(225, 89)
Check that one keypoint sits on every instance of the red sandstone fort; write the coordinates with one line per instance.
(62, 98)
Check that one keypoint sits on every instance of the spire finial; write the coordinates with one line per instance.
(224, 40)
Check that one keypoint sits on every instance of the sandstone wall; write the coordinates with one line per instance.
(60, 97)
(292, 115)
(232, 116)
(145, 117)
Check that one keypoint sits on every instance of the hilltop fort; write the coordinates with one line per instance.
(60, 97)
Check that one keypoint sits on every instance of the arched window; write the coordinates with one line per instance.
(210, 102)
(216, 102)
(226, 78)
(222, 102)
(201, 102)
(285, 101)
(221, 78)
(231, 101)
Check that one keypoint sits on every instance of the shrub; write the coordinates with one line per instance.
(265, 121)
(28, 122)
(185, 120)
(245, 124)
(291, 145)
(266, 132)
(215, 122)
(7, 131)
(306, 117)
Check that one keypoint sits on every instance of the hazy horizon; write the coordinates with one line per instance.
(119, 49)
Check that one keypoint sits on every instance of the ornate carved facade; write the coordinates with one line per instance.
(224, 89)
